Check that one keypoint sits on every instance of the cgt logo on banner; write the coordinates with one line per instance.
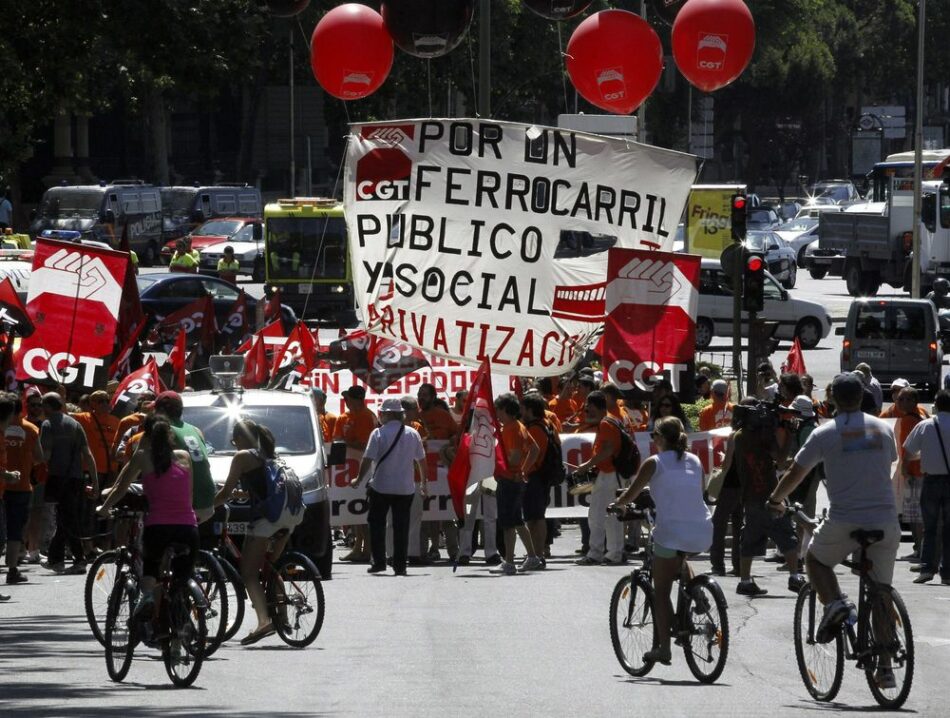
(476, 240)
(75, 301)
(652, 298)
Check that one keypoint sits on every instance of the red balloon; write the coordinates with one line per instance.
(351, 52)
(615, 59)
(713, 42)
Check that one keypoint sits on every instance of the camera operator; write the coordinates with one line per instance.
(756, 453)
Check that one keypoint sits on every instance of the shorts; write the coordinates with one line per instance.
(262, 528)
(510, 498)
(537, 496)
(157, 537)
(16, 505)
(832, 544)
(910, 505)
(761, 524)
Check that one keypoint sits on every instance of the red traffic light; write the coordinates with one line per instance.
(755, 264)
(738, 202)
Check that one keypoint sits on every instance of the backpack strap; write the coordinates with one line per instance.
(402, 428)
(943, 449)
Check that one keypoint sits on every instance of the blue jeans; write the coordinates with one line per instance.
(934, 507)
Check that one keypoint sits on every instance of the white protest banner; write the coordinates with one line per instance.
(465, 235)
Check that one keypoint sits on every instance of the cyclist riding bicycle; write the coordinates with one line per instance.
(858, 451)
(683, 522)
(170, 519)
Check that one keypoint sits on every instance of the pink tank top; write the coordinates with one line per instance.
(169, 498)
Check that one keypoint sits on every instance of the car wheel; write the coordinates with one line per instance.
(800, 259)
(853, 279)
(704, 333)
(792, 277)
(808, 332)
(818, 273)
(257, 275)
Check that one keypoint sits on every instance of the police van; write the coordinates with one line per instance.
(103, 212)
(185, 208)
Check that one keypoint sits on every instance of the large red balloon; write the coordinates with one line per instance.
(615, 59)
(713, 42)
(427, 28)
(557, 9)
(351, 52)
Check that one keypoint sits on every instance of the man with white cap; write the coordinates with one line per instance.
(396, 455)
(872, 384)
(719, 412)
(807, 491)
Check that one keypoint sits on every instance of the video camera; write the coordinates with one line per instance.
(764, 416)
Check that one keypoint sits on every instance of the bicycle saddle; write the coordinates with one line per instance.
(866, 538)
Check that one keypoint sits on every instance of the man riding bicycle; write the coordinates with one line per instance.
(857, 450)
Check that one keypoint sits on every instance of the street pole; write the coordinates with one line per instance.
(737, 322)
(750, 376)
(293, 159)
(918, 148)
(642, 110)
(484, 58)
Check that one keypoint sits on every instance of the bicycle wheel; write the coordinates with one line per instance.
(821, 665)
(236, 597)
(210, 577)
(900, 649)
(632, 626)
(100, 581)
(295, 599)
(183, 650)
(119, 634)
(707, 645)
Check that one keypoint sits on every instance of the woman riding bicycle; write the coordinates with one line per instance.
(683, 522)
(255, 447)
(170, 519)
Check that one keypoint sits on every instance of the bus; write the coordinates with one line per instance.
(901, 165)
(306, 257)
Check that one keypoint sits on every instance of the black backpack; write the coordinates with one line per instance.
(627, 460)
(552, 464)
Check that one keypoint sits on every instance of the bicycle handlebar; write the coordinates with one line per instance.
(629, 513)
(798, 511)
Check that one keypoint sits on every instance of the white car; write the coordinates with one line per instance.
(779, 257)
(248, 252)
(796, 317)
(16, 265)
(799, 233)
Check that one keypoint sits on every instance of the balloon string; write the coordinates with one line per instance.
(304, 34)
(471, 65)
(561, 56)
(429, 83)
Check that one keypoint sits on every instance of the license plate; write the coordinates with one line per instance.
(237, 527)
(870, 354)
(306, 288)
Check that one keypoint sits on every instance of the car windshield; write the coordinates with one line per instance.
(218, 228)
(70, 203)
(306, 247)
(800, 224)
(144, 281)
(178, 202)
(759, 216)
(291, 425)
(758, 241)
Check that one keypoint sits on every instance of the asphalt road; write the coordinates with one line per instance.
(442, 644)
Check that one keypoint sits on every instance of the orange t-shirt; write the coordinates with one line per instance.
(607, 431)
(536, 431)
(716, 415)
(563, 409)
(553, 420)
(355, 426)
(101, 430)
(517, 442)
(327, 425)
(20, 446)
(438, 423)
(902, 429)
(132, 444)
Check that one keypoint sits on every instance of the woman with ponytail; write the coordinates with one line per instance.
(683, 522)
(166, 481)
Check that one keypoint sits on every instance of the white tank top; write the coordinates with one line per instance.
(683, 521)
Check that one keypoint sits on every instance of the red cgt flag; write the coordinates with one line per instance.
(480, 447)
(795, 361)
(299, 349)
(256, 370)
(126, 396)
(236, 325)
(196, 318)
(177, 359)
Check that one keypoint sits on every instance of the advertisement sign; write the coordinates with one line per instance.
(708, 219)
(476, 240)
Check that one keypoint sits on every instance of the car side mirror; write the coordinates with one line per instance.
(784, 295)
(258, 232)
(839, 331)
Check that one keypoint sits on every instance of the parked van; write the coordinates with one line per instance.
(896, 337)
(185, 208)
(102, 212)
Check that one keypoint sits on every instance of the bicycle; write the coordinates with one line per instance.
(178, 625)
(700, 622)
(292, 586)
(210, 576)
(821, 665)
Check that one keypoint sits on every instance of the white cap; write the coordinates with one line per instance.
(899, 384)
(803, 405)
(392, 406)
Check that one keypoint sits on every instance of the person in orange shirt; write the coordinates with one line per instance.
(521, 453)
(719, 412)
(616, 409)
(896, 410)
(537, 494)
(562, 405)
(101, 428)
(604, 529)
(129, 426)
(327, 419)
(22, 453)
(437, 422)
(579, 423)
(354, 427)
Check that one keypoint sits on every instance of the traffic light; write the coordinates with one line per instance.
(739, 205)
(753, 281)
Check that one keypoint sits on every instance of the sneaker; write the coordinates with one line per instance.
(924, 577)
(465, 560)
(750, 588)
(34, 557)
(4, 597)
(77, 569)
(509, 569)
(717, 571)
(795, 582)
(376, 568)
(58, 567)
(916, 568)
(884, 677)
(582, 550)
(587, 561)
(658, 655)
(835, 613)
(495, 560)
(775, 558)
(14, 576)
(532, 563)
